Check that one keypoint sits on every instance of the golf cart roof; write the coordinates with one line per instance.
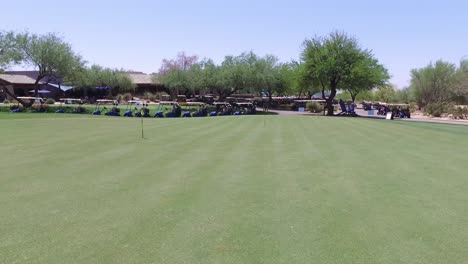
(105, 101)
(167, 103)
(221, 103)
(195, 103)
(69, 99)
(407, 105)
(306, 101)
(244, 103)
(29, 98)
(135, 101)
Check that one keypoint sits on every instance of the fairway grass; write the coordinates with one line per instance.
(238, 189)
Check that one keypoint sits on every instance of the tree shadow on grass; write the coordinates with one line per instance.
(265, 113)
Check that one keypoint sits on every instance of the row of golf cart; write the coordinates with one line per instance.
(396, 110)
(172, 109)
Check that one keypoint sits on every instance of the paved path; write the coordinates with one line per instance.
(363, 113)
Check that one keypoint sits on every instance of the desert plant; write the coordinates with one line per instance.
(413, 107)
(459, 112)
(50, 101)
(438, 109)
(314, 107)
(124, 97)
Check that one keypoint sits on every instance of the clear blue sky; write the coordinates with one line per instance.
(138, 34)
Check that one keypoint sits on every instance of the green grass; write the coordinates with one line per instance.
(253, 189)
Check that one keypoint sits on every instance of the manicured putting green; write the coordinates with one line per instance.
(239, 189)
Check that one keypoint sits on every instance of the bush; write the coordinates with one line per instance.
(38, 108)
(314, 107)
(413, 107)
(6, 101)
(17, 106)
(438, 109)
(50, 101)
(459, 112)
(124, 97)
(70, 109)
(151, 97)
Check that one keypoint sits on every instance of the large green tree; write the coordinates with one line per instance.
(49, 54)
(174, 74)
(8, 49)
(434, 83)
(268, 76)
(338, 62)
(365, 75)
(97, 76)
(460, 89)
(237, 74)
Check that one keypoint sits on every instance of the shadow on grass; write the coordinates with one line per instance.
(265, 113)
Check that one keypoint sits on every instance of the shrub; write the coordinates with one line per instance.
(438, 109)
(459, 112)
(314, 107)
(50, 101)
(151, 97)
(413, 107)
(124, 97)
(38, 108)
(6, 101)
(16, 106)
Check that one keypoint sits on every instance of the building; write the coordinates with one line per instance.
(145, 82)
(22, 83)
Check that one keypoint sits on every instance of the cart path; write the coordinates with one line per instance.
(363, 114)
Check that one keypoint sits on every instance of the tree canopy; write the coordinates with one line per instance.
(338, 62)
(49, 54)
(97, 76)
(434, 83)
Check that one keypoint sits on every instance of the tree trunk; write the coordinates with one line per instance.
(329, 101)
(37, 85)
(24, 103)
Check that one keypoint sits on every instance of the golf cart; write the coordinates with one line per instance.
(222, 108)
(382, 108)
(100, 107)
(244, 109)
(400, 110)
(176, 110)
(68, 101)
(202, 111)
(367, 105)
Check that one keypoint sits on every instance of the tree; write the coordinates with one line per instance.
(96, 76)
(434, 83)
(49, 54)
(291, 74)
(337, 62)
(268, 76)
(366, 75)
(237, 73)
(8, 49)
(460, 89)
(174, 74)
(386, 94)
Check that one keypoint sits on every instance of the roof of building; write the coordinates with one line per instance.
(17, 79)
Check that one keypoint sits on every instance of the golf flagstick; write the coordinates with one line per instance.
(142, 131)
